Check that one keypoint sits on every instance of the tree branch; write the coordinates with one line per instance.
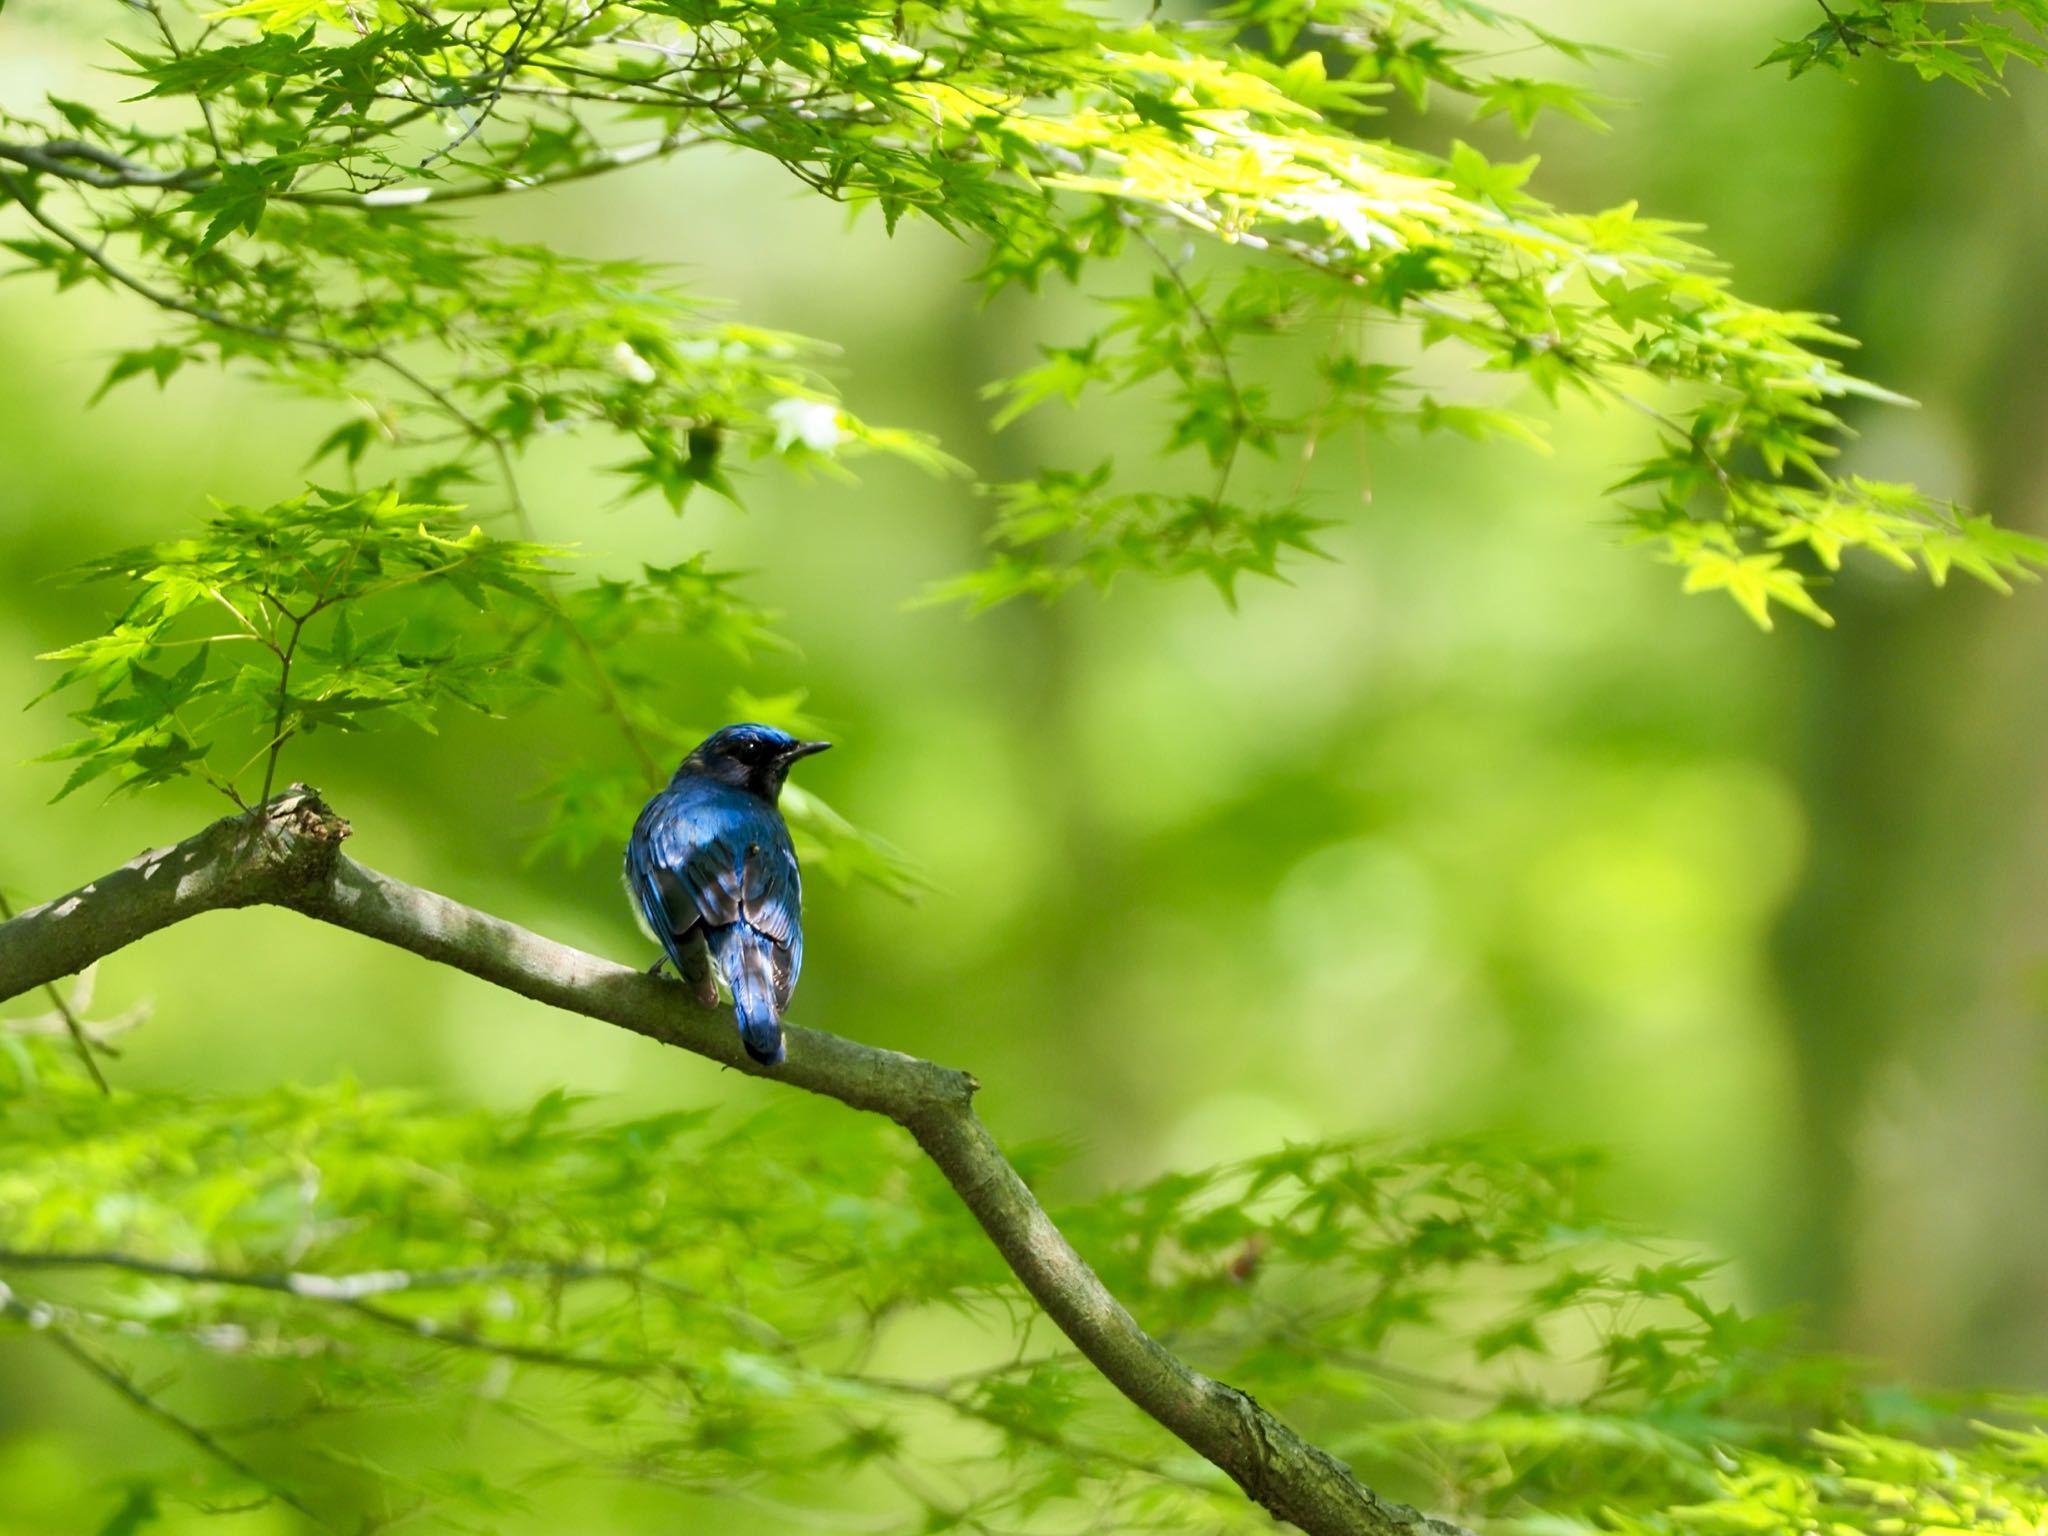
(288, 854)
(23, 195)
(59, 157)
(305, 1283)
(108, 171)
(40, 1320)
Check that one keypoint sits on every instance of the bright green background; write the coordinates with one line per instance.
(1481, 827)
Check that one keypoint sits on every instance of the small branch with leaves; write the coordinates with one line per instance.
(1046, 144)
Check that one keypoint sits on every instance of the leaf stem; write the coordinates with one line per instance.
(278, 734)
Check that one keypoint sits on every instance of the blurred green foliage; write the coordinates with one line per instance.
(1471, 829)
(701, 1308)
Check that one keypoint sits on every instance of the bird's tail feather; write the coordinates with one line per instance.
(747, 959)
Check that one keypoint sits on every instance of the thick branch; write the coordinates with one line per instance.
(288, 854)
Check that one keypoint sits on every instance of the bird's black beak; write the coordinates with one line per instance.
(806, 749)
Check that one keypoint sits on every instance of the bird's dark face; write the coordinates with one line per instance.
(750, 757)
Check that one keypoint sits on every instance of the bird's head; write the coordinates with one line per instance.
(750, 757)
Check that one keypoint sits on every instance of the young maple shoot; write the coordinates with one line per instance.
(280, 616)
(1963, 40)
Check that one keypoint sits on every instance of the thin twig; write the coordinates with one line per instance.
(608, 695)
(197, 1434)
(163, 27)
(97, 255)
(80, 1040)
(1240, 415)
(317, 1287)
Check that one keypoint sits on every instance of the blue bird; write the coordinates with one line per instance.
(710, 867)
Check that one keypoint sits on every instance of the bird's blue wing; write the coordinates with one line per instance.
(715, 859)
(666, 906)
(697, 848)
